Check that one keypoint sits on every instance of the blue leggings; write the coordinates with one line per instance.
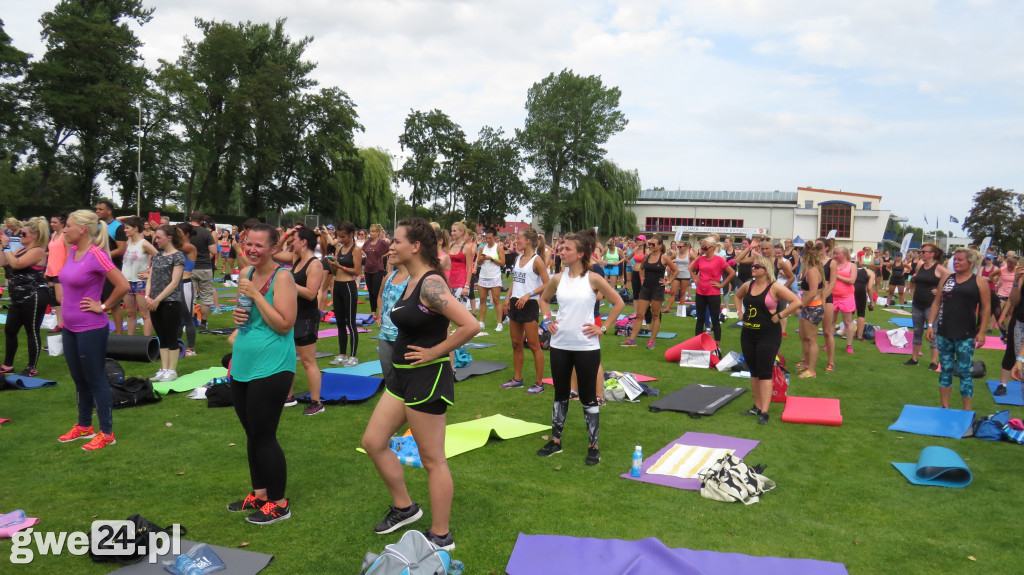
(961, 353)
(86, 353)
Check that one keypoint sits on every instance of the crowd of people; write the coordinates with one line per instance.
(425, 280)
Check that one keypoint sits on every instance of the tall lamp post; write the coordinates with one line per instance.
(138, 173)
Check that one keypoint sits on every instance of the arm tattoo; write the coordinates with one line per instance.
(433, 293)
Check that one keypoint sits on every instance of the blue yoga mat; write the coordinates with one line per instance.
(938, 466)
(902, 321)
(661, 335)
(474, 345)
(341, 387)
(933, 421)
(23, 382)
(1013, 394)
(364, 369)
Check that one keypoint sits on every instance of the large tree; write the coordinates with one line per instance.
(495, 187)
(996, 212)
(13, 63)
(84, 88)
(437, 148)
(569, 118)
(602, 200)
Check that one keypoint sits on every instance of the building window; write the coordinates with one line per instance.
(667, 225)
(835, 216)
(867, 205)
(809, 204)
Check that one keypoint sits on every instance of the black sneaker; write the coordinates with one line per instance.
(752, 411)
(762, 419)
(290, 401)
(933, 366)
(911, 361)
(270, 513)
(446, 543)
(593, 456)
(313, 408)
(1001, 390)
(396, 519)
(249, 503)
(550, 448)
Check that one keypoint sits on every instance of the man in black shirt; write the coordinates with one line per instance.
(202, 275)
(118, 243)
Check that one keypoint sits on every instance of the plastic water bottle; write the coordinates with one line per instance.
(245, 304)
(186, 566)
(638, 460)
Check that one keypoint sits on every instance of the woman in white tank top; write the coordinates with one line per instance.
(529, 279)
(575, 343)
(681, 287)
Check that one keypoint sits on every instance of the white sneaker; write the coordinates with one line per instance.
(170, 375)
(159, 375)
(481, 325)
(506, 320)
(352, 361)
(498, 327)
(340, 360)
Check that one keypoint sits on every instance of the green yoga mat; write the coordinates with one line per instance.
(189, 381)
(469, 435)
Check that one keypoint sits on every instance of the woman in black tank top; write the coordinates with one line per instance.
(954, 323)
(652, 289)
(926, 282)
(423, 386)
(308, 273)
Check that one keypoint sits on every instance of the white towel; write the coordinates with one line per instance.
(897, 337)
(685, 461)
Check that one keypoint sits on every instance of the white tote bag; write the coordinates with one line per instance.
(55, 345)
(695, 358)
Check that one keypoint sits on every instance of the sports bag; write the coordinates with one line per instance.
(412, 555)
(730, 479)
(140, 536)
(977, 369)
(132, 392)
(780, 385)
(990, 428)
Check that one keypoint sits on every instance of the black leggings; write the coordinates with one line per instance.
(373, 286)
(345, 299)
(636, 284)
(186, 313)
(709, 304)
(759, 351)
(860, 297)
(27, 314)
(586, 364)
(166, 320)
(258, 404)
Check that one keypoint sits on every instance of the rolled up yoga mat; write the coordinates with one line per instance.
(133, 348)
(938, 466)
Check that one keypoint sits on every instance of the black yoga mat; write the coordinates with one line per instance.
(697, 399)
(133, 348)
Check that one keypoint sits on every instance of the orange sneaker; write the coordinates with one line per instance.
(99, 442)
(77, 432)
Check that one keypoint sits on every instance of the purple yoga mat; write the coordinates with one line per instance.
(741, 446)
(561, 555)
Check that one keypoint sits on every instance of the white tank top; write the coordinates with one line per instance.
(135, 261)
(524, 279)
(576, 301)
(683, 265)
(489, 270)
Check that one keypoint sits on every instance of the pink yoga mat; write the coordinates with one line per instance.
(334, 331)
(814, 410)
(993, 342)
(884, 346)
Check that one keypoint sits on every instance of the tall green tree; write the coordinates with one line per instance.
(996, 212)
(603, 200)
(495, 187)
(569, 118)
(84, 88)
(363, 195)
(437, 148)
(13, 64)
(327, 122)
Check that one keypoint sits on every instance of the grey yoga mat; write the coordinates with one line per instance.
(478, 368)
(236, 561)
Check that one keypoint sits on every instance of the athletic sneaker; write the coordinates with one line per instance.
(482, 326)
(630, 342)
(593, 456)
(763, 418)
(830, 367)
(849, 349)
(77, 432)
(290, 401)
(512, 383)
(537, 387)
(550, 448)
(911, 361)
(270, 513)
(1000, 391)
(99, 441)
(396, 519)
(189, 352)
(496, 328)
(352, 361)
(313, 408)
(752, 411)
(250, 502)
(339, 360)
(446, 543)
(29, 372)
(505, 320)
(159, 375)
(170, 375)
(650, 344)
(933, 366)
(6, 368)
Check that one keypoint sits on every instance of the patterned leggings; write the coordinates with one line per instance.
(961, 353)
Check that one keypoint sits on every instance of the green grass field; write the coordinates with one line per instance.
(838, 496)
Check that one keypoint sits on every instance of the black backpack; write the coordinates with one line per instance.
(133, 391)
(978, 369)
(139, 535)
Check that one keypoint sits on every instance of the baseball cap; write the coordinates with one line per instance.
(642, 238)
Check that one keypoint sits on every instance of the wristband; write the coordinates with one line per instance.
(103, 306)
(1020, 359)
(928, 326)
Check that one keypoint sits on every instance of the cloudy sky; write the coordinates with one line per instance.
(918, 101)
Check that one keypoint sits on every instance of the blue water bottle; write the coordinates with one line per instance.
(186, 566)
(245, 303)
(638, 460)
